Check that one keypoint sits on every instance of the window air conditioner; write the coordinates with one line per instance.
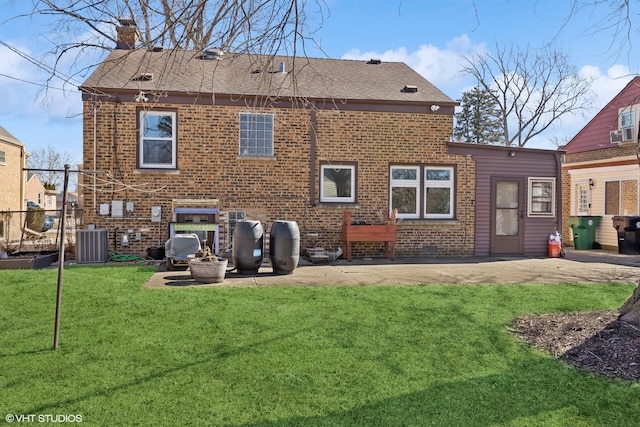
(615, 136)
(629, 134)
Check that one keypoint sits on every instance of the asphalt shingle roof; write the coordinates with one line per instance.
(182, 71)
(7, 137)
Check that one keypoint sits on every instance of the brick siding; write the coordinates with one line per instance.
(277, 188)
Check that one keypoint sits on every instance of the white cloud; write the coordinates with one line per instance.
(606, 85)
(440, 66)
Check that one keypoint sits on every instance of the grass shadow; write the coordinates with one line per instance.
(545, 398)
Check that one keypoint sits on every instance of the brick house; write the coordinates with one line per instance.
(600, 170)
(193, 141)
(13, 160)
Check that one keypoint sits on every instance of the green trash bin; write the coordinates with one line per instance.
(584, 230)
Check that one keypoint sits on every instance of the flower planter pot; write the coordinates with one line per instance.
(205, 271)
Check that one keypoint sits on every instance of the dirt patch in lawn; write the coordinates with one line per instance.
(596, 341)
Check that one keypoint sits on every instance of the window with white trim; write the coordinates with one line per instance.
(3, 157)
(157, 140)
(422, 191)
(404, 190)
(337, 183)
(256, 134)
(542, 196)
(627, 118)
(438, 192)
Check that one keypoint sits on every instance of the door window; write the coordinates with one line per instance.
(507, 208)
(582, 199)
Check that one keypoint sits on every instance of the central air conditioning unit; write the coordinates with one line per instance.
(615, 136)
(92, 246)
(629, 134)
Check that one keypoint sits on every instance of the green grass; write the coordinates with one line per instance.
(310, 356)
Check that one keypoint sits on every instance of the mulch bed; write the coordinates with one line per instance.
(597, 341)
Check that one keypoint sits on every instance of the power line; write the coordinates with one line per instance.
(38, 64)
(47, 68)
(32, 83)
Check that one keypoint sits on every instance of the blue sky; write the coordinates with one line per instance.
(431, 37)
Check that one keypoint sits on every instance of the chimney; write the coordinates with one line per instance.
(127, 34)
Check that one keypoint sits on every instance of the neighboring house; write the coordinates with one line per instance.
(50, 204)
(35, 191)
(13, 160)
(41, 196)
(183, 140)
(600, 171)
(517, 198)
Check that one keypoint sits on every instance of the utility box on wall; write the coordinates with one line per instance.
(92, 246)
(156, 213)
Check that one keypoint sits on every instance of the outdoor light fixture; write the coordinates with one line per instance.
(591, 183)
(511, 153)
(141, 97)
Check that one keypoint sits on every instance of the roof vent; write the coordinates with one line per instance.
(144, 77)
(212, 54)
(156, 49)
(410, 89)
(374, 61)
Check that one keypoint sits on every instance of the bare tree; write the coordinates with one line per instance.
(612, 20)
(533, 88)
(265, 27)
(48, 163)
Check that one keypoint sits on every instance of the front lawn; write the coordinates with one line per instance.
(330, 356)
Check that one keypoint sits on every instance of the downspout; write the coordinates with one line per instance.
(558, 156)
(23, 185)
(95, 155)
(312, 148)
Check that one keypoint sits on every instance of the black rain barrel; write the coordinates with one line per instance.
(284, 246)
(247, 246)
(156, 253)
